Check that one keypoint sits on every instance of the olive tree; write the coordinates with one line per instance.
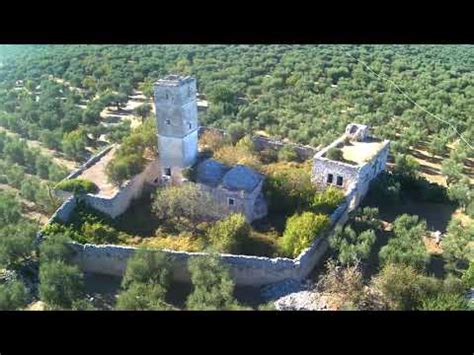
(228, 234)
(60, 284)
(213, 286)
(183, 207)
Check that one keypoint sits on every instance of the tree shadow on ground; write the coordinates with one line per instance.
(139, 218)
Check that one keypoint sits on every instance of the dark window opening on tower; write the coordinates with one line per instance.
(330, 178)
(190, 125)
(339, 181)
(231, 201)
(168, 171)
(168, 122)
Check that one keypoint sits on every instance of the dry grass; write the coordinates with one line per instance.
(431, 247)
(360, 152)
(184, 242)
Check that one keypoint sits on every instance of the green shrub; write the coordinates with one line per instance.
(140, 297)
(406, 246)
(78, 186)
(99, 233)
(145, 282)
(406, 165)
(213, 286)
(55, 247)
(182, 208)
(124, 168)
(128, 159)
(334, 154)
(148, 267)
(444, 302)
(458, 246)
(327, 201)
(16, 243)
(468, 276)
(60, 284)
(10, 210)
(398, 284)
(227, 235)
(301, 230)
(289, 189)
(365, 218)
(287, 153)
(350, 246)
(12, 296)
(86, 226)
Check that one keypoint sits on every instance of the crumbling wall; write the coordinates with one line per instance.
(371, 169)
(246, 270)
(92, 160)
(303, 152)
(130, 190)
(323, 167)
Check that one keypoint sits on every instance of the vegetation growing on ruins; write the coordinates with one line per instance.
(130, 157)
(301, 230)
(228, 234)
(78, 186)
(54, 97)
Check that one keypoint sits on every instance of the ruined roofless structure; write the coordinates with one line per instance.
(363, 159)
(235, 189)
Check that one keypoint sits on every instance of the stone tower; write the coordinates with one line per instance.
(177, 123)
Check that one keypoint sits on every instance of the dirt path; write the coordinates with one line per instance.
(69, 164)
(111, 115)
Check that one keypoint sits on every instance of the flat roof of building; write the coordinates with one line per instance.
(361, 152)
(173, 80)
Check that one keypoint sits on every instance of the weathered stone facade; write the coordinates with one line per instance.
(177, 123)
(118, 203)
(346, 175)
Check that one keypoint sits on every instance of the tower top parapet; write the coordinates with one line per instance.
(174, 80)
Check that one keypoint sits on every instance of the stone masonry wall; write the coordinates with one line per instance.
(132, 189)
(94, 159)
(304, 152)
(246, 270)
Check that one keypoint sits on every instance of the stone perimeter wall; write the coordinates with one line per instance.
(246, 270)
(304, 152)
(118, 203)
(92, 160)
(132, 189)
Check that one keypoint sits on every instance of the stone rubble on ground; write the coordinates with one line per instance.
(302, 301)
(277, 290)
(292, 295)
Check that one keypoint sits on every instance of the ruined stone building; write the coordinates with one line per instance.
(177, 124)
(363, 158)
(235, 189)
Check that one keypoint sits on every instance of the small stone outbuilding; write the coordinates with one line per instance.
(235, 189)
